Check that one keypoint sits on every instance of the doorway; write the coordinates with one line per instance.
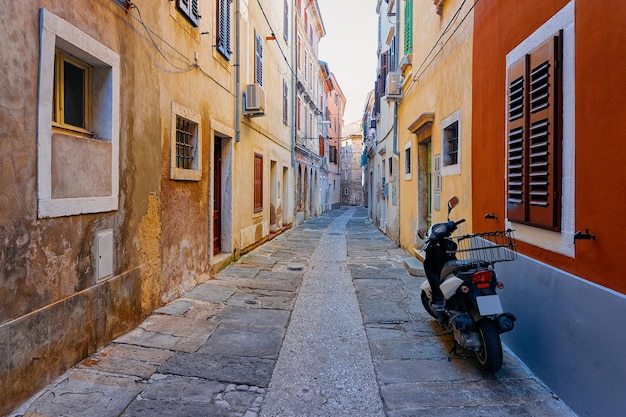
(217, 196)
(424, 184)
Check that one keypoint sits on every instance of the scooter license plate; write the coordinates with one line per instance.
(489, 305)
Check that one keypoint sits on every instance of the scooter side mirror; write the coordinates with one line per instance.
(420, 234)
(452, 203)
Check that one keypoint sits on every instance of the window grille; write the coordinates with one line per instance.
(185, 147)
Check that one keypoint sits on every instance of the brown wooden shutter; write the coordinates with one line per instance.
(258, 183)
(544, 135)
(516, 132)
(534, 137)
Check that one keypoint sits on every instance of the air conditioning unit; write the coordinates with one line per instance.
(255, 100)
(393, 86)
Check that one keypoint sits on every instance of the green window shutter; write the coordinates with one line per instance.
(408, 27)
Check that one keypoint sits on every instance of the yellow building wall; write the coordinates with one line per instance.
(438, 81)
(265, 135)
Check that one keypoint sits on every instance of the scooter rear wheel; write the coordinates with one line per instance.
(427, 305)
(490, 354)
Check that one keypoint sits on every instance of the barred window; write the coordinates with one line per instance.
(186, 144)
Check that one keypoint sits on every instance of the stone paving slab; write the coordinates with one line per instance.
(462, 394)
(127, 360)
(223, 368)
(245, 340)
(82, 393)
(532, 408)
(170, 332)
(212, 292)
(266, 299)
(268, 284)
(160, 408)
(253, 317)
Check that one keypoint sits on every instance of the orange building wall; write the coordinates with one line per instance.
(600, 127)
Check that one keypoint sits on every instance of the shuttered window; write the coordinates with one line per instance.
(534, 137)
(258, 59)
(285, 102)
(384, 69)
(286, 21)
(223, 28)
(189, 8)
(258, 183)
(408, 27)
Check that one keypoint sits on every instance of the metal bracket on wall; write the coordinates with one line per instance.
(583, 236)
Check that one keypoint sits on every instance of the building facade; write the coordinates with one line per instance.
(383, 160)
(330, 145)
(540, 168)
(149, 146)
(435, 130)
(352, 185)
(310, 171)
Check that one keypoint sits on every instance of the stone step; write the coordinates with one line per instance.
(414, 266)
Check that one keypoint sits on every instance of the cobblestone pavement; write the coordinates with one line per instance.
(323, 320)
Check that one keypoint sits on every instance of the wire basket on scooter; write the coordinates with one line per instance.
(490, 247)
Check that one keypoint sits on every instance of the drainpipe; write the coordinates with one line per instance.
(237, 73)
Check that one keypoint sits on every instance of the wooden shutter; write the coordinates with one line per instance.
(258, 183)
(408, 27)
(298, 114)
(190, 9)
(258, 61)
(223, 28)
(516, 128)
(286, 21)
(285, 102)
(534, 136)
(384, 59)
(544, 135)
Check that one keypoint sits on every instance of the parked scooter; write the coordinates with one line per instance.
(460, 291)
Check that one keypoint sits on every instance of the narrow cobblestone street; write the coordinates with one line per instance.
(323, 320)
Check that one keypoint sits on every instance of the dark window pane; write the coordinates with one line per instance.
(74, 95)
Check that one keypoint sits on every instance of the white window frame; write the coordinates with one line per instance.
(452, 169)
(56, 33)
(182, 174)
(560, 242)
(408, 165)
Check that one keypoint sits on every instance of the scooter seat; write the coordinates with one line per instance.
(450, 267)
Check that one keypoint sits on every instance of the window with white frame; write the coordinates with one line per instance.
(407, 161)
(451, 144)
(77, 122)
(543, 125)
(186, 144)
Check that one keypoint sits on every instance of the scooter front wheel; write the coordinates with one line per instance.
(427, 305)
(489, 355)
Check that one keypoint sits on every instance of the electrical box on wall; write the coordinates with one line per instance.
(104, 253)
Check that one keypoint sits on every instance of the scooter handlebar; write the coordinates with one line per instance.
(459, 222)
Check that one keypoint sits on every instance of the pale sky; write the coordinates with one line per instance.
(349, 48)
